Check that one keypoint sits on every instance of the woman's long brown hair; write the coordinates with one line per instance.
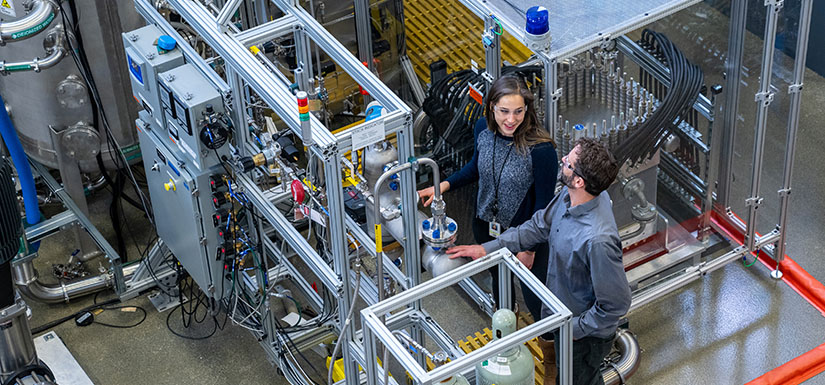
(530, 132)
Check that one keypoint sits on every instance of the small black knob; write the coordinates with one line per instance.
(218, 200)
(248, 163)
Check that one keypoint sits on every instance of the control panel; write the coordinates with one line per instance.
(188, 217)
(196, 123)
(148, 53)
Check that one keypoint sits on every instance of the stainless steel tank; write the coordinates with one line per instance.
(16, 345)
(57, 97)
(377, 159)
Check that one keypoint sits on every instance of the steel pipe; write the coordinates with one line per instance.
(379, 259)
(41, 15)
(26, 279)
(37, 64)
(618, 372)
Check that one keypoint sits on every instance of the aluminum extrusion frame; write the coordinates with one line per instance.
(561, 319)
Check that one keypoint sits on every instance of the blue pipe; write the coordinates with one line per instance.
(21, 163)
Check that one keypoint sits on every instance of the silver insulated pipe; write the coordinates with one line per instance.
(42, 13)
(25, 277)
(617, 372)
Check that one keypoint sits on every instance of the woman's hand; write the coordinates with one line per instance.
(527, 258)
(470, 251)
(428, 193)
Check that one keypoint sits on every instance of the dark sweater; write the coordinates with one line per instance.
(527, 181)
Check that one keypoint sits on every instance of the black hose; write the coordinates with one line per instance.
(686, 80)
(114, 214)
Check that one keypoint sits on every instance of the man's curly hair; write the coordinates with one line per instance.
(596, 165)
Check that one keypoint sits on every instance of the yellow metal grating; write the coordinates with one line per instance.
(446, 29)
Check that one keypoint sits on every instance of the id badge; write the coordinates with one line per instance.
(495, 229)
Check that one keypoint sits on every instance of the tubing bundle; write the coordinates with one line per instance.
(444, 103)
(686, 80)
(10, 231)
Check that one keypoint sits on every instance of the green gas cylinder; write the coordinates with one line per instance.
(514, 366)
(456, 379)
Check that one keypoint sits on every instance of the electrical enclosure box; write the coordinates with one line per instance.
(145, 63)
(188, 100)
(183, 209)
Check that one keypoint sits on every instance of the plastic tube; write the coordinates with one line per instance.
(21, 163)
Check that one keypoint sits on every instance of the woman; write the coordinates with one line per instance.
(516, 166)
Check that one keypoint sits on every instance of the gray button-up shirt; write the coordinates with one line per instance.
(585, 269)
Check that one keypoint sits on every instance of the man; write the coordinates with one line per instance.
(585, 269)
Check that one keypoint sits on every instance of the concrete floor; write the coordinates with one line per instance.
(726, 328)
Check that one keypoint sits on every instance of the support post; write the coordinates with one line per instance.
(363, 33)
(795, 91)
(73, 184)
(551, 95)
(764, 97)
(733, 71)
(338, 246)
(711, 168)
(492, 48)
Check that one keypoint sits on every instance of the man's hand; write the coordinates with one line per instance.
(470, 251)
(527, 258)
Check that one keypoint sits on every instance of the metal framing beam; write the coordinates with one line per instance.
(560, 319)
(115, 265)
(328, 277)
(266, 32)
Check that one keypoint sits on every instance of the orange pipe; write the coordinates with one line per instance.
(796, 370)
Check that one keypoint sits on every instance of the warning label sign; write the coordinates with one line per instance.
(7, 8)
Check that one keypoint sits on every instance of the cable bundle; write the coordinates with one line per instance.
(686, 81)
(444, 102)
(124, 174)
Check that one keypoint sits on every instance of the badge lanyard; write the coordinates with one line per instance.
(495, 227)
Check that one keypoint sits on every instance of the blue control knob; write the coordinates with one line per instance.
(167, 43)
(425, 225)
(451, 226)
(393, 176)
(436, 233)
(393, 186)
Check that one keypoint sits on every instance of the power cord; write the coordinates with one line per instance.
(97, 306)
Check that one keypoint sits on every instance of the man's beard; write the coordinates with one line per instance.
(565, 180)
